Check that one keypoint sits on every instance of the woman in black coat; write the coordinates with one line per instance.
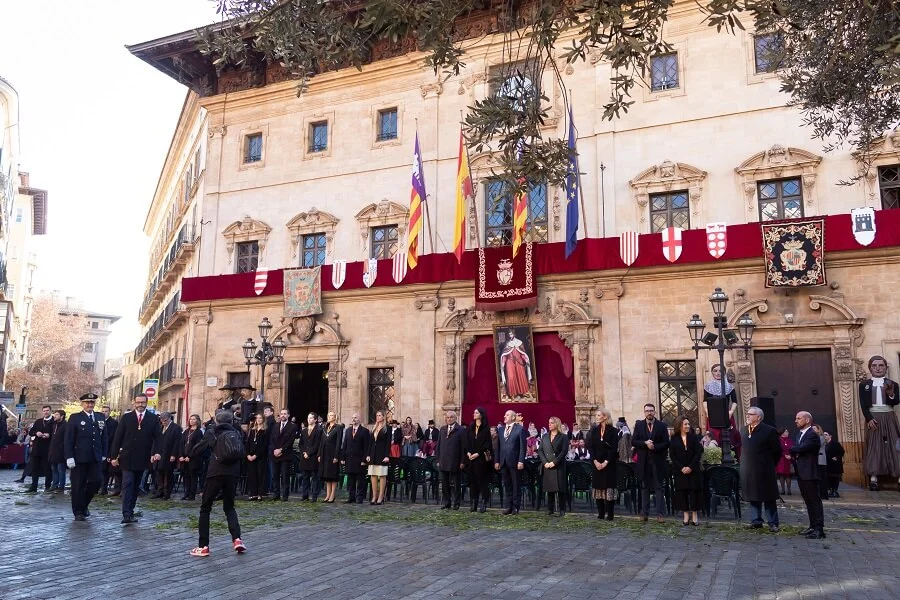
(257, 458)
(834, 453)
(190, 464)
(685, 451)
(378, 456)
(603, 445)
(329, 455)
(552, 453)
(479, 459)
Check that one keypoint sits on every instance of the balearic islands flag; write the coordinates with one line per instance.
(416, 206)
(398, 268)
(520, 213)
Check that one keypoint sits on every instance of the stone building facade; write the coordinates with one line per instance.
(258, 178)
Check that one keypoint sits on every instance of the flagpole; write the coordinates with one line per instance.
(578, 175)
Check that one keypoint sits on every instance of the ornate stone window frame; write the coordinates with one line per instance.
(246, 230)
(380, 214)
(254, 128)
(884, 152)
(779, 162)
(667, 176)
(307, 223)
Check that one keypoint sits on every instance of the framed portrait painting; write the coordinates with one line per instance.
(516, 372)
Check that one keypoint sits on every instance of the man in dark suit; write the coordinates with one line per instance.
(108, 470)
(135, 447)
(353, 457)
(165, 468)
(651, 442)
(40, 433)
(450, 459)
(805, 453)
(761, 451)
(282, 444)
(84, 447)
(510, 461)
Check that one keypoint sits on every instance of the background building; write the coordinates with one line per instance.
(260, 179)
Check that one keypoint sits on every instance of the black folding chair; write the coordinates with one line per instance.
(419, 474)
(579, 472)
(723, 483)
(627, 486)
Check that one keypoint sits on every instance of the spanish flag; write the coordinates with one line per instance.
(520, 214)
(464, 190)
(417, 197)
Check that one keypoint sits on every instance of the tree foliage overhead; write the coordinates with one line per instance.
(53, 372)
(840, 60)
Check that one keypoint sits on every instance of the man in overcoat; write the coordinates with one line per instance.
(136, 445)
(759, 483)
(353, 457)
(449, 454)
(651, 442)
(805, 453)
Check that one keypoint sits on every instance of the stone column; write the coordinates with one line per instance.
(201, 398)
(608, 361)
(430, 384)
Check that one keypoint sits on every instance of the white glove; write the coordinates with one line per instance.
(70, 462)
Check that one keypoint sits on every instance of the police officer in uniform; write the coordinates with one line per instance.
(85, 444)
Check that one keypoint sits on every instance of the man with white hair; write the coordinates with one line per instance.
(759, 483)
(805, 453)
(449, 454)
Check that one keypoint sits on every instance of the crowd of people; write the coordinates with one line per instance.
(145, 453)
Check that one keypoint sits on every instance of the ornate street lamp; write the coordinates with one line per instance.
(267, 353)
(724, 339)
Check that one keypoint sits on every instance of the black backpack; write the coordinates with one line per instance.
(229, 447)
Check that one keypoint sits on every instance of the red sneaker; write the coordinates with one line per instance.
(204, 551)
(239, 546)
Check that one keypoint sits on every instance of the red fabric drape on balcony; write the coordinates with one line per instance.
(744, 241)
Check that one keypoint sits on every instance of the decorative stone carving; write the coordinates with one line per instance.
(215, 132)
(473, 223)
(381, 214)
(668, 176)
(609, 290)
(246, 230)
(202, 317)
(313, 221)
(432, 302)
(777, 162)
(304, 328)
(451, 304)
(432, 89)
(557, 209)
(583, 295)
(450, 352)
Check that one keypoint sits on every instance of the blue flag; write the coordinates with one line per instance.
(573, 182)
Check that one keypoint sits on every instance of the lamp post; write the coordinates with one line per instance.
(724, 339)
(267, 353)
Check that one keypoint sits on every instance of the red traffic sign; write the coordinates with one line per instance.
(150, 392)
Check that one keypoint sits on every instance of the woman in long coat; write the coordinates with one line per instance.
(552, 454)
(685, 451)
(329, 455)
(479, 459)
(603, 445)
(257, 456)
(378, 457)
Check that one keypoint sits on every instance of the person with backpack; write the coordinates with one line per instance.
(227, 446)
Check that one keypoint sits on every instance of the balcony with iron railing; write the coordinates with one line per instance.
(172, 374)
(162, 327)
(169, 270)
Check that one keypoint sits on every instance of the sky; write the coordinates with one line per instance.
(95, 126)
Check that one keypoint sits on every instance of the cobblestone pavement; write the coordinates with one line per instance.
(300, 550)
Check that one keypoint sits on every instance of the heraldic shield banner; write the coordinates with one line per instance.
(302, 292)
(504, 282)
(794, 253)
